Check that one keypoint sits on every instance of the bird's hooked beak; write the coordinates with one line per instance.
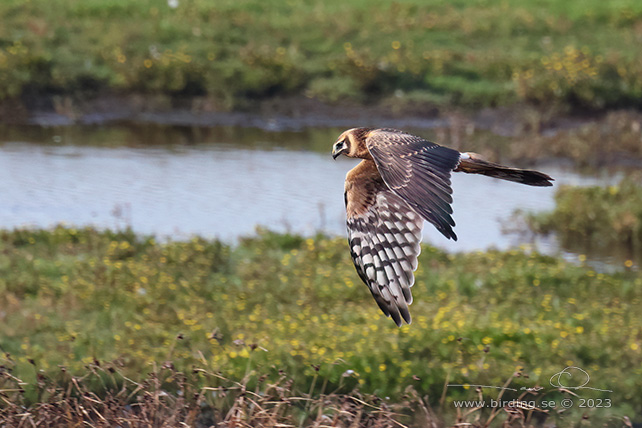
(339, 148)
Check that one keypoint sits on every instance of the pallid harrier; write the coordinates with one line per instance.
(402, 181)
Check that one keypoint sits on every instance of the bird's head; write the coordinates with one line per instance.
(341, 147)
(351, 143)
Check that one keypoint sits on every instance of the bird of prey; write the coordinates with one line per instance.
(402, 181)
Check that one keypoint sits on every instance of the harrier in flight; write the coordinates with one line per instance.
(402, 181)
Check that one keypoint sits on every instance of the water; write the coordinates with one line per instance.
(222, 183)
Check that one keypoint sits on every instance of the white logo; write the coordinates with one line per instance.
(582, 378)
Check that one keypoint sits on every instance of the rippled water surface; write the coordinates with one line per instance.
(221, 182)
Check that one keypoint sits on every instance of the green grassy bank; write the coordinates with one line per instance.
(605, 220)
(576, 54)
(280, 305)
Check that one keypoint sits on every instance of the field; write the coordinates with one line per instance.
(575, 55)
(87, 312)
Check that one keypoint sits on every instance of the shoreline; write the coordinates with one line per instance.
(522, 134)
(282, 114)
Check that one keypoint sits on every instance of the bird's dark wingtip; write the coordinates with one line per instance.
(396, 319)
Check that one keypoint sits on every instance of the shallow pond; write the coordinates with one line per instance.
(222, 182)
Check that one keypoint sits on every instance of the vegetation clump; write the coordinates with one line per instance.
(602, 219)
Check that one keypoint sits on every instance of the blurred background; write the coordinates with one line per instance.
(169, 125)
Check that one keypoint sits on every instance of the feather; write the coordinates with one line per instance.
(384, 235)
(418, 171)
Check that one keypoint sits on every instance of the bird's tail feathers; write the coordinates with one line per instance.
(473, 163)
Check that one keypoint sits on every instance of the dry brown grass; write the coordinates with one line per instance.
(166, 398)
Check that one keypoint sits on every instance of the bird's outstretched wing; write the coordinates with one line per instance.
(384, 235)
(419, 172)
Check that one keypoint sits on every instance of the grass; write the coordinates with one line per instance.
(79, 302)
(72, 401)
(580, 54)
(602, 219)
